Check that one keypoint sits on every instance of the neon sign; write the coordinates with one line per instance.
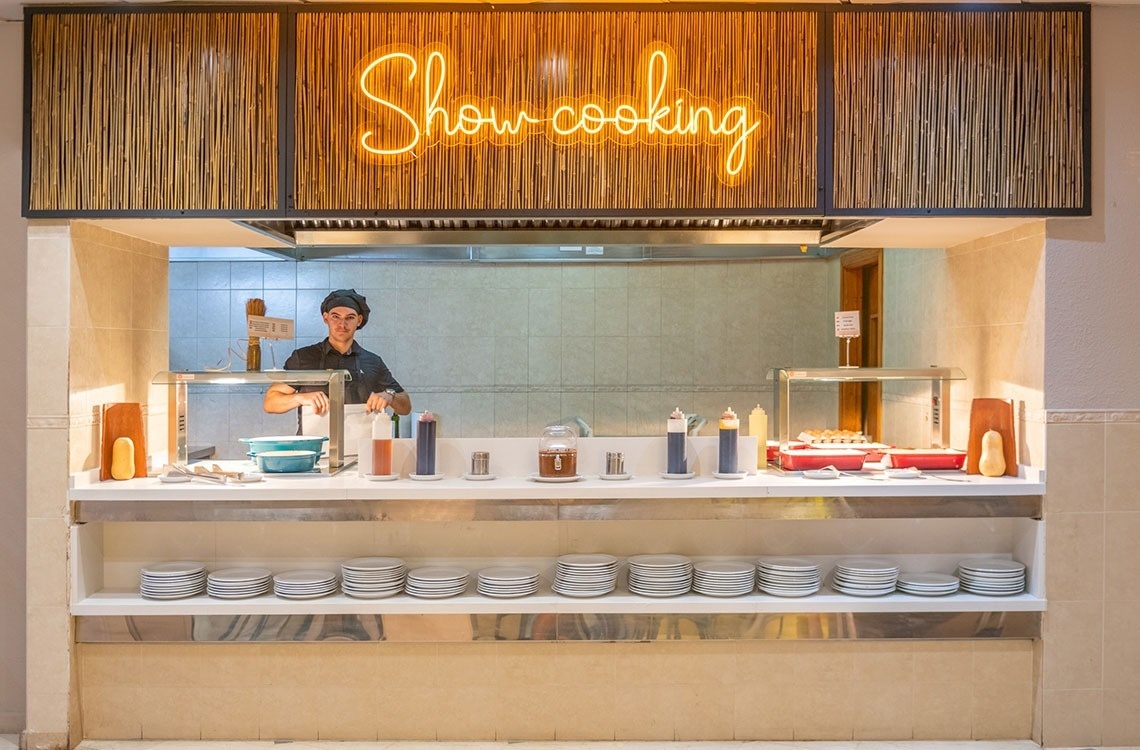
(409, 117)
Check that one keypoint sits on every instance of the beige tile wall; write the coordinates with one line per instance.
(571, 691)
(1091, 660)
(979, 306)
(96, 333)
(49, 643)
(118, 322)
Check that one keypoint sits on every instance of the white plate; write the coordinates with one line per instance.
(722, 568)
(991, 566)
(478, 477)
(588, 560)
(821, 474)
(726, 593)
(433, 594)
(305, 578)
(373, 563)
(933, 580)
(659, 561)
(506, 595)
(240, 575)
(377, 594)
(872, 565)
(614, 477)
(658, 594)
(730, 474)
(425, 477)
(437, 573)
(908, 473)
(554, 480)
(686, 475)
(173, 569)
(797, 564)
(582, 594)
(234, 595)
(381, 477)
(173, 478)
(508, 573)
(773, 591)
(284, 595)
(172, 596)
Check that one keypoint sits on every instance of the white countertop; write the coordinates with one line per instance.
(349, 485)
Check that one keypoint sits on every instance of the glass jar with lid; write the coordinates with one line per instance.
(558, 452)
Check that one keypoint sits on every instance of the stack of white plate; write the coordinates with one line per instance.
(239, 583)
(787, 576)
(724, 578)
(660, 575)
(172, 580)
(436, 582)
(585, 575)
(994, 577)
(304, 584)
(865, 576)
(372, 577)
(507, 581)
(927, 584)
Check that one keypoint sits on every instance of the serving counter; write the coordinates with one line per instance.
(926, 524)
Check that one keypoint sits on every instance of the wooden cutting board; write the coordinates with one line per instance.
(122, 420)
(991, 414)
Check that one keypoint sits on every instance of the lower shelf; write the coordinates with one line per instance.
(130, 603)
(115, 616)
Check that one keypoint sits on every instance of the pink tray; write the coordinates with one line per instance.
(930, 458)
(801, 459)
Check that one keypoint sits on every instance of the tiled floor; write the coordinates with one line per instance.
(11, 742)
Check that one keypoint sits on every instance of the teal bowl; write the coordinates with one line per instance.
(286, 462)
(284, 443)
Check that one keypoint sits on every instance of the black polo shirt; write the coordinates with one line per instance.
(369, 373)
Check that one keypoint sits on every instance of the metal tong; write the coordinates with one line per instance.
(215, 473)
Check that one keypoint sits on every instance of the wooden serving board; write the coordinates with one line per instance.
(991, 414)
(122, 420)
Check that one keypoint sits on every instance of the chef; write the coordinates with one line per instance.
(344, 312)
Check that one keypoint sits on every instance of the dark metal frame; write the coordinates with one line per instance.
(825, 116)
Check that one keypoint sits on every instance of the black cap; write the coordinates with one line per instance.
(347, 298)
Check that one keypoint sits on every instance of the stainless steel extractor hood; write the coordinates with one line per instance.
(556, 239)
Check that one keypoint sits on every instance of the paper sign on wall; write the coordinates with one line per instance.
(269, 328)
(847, 324)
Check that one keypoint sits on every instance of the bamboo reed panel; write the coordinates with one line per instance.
(959, 110)
(528, 58)
(154, 112)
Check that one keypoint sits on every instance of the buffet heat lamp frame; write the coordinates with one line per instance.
(179, 382)
(939, 377)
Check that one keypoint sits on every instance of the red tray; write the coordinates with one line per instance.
(930, 458)
(801, 459)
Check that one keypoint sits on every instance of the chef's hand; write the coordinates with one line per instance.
(316, 399)
(377, 402)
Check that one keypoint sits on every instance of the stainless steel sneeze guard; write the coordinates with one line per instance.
(561, 509)
(623, 627)
(939, 378)
(179, 396)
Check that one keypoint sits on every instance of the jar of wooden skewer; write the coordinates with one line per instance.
(253, 352)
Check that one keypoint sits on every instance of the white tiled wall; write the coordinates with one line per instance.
(505, 349)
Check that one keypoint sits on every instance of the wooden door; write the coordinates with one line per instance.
(861, 288)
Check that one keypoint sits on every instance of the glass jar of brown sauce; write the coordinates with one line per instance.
(558, 452)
